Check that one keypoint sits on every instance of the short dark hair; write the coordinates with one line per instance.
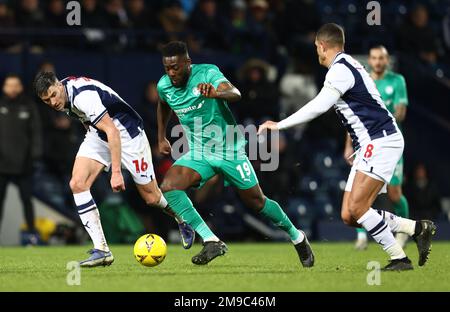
(174, 48)
(333, 34)
(43, 81)
(379, 47)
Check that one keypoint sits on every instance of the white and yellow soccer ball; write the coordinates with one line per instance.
(150, 250)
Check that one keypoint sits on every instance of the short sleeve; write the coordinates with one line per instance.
(401, 96)
(161, 94)
(215, 77)
(340, 78)
(89, 102)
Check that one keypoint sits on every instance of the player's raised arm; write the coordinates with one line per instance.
(163, 116)
(317, 106)
(225, 91)
(106, 125)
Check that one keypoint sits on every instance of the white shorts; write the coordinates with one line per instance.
(136, 155)
(377, 159)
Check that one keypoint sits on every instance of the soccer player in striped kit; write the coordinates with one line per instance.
(376, 139)
(114, 138)
(392, 89)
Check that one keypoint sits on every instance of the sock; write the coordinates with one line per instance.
(381, 233)
(401, 208)
(361, 233)
(90, 217)
(398, 224)
(274, 213)
(182, 206)
(164, 205)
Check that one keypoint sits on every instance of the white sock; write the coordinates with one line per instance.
(398, 224)
(300, 238)
(212, 238)
(381, 233)
(90, 217)
(163, 204)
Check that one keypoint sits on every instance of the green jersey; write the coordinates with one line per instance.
(206, 121)
(392, 89)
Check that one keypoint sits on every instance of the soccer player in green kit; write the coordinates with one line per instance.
(199, 95)
(392, 89)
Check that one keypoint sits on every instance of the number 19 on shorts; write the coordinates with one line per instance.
(244, 170)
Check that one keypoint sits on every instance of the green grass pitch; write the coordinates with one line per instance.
(246, 267)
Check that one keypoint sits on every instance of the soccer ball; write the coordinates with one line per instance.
(150, 250)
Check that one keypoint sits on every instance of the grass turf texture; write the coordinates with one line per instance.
(246, 267)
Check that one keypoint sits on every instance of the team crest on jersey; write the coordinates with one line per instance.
(389, 90)
(195, 91)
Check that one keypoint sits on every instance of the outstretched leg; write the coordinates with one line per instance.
(177, 180)
(255, 199)
(153, 196)
(85, 171)
(361, 197)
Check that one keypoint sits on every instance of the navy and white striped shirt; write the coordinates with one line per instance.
(360, 106)
(89, 100)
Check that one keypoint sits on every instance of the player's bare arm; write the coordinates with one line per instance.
(400, 112)
(225, 91)
(106, 125)
(163, 116)
(326, 98)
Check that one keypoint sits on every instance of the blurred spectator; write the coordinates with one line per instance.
(6, 15)
(20, 144)
(296, 23)
(423, 195)
(263, 37)
(297, 88)
(417, 37)
(6, 22)
(142, 19)
(259, 95)
(56, 14)
(92, 15)
(29, 15)
(210, 25)
(117, 19)
(238, 27)
(116, 14)
(173, 20)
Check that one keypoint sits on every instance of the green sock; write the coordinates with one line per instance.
(360, 230)
(183, 207)
(401, 208)
(274, 213)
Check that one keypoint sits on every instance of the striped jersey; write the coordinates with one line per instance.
(89, 100)
(360, 106)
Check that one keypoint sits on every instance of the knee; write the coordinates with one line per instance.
(347, 218)
(77, 185)
(256, 203)
(167, 186)
(152, 199)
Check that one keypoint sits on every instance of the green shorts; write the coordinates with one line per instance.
(237, 171)
(397, 178)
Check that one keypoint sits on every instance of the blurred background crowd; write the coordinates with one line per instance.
(265, 48)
